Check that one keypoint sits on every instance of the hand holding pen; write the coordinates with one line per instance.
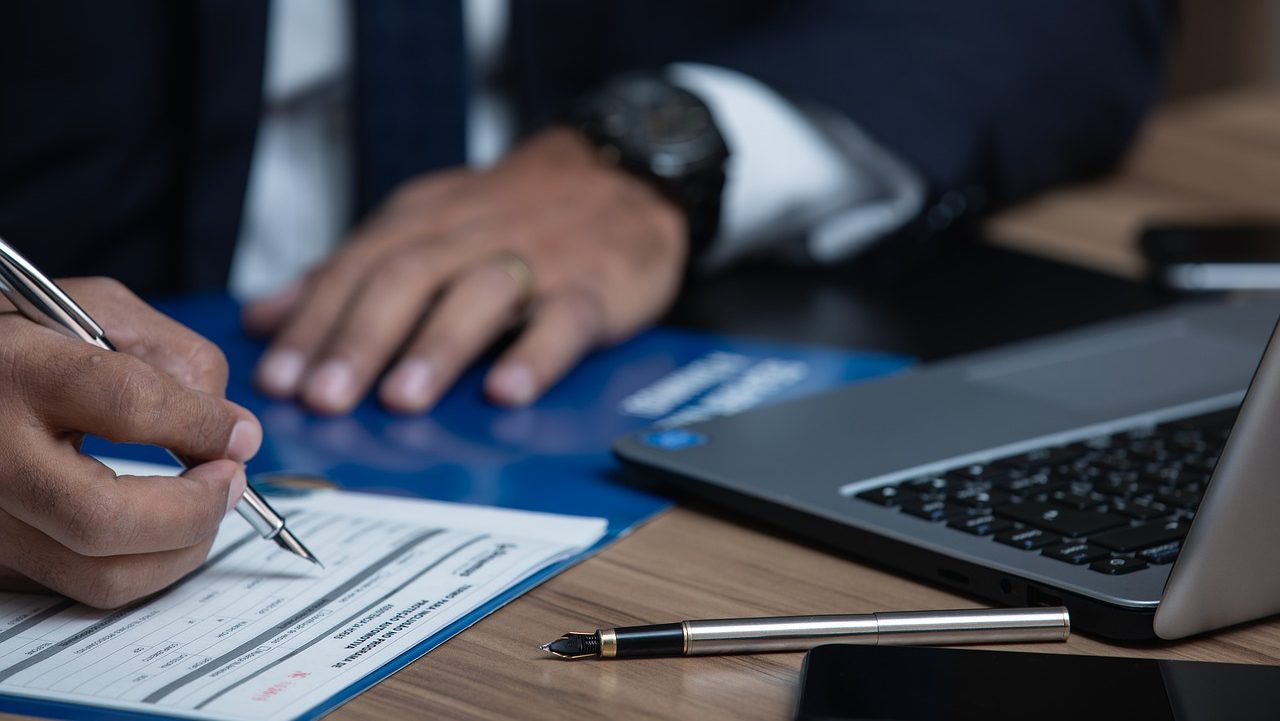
(67, 523)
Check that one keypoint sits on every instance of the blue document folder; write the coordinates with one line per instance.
(552, 457)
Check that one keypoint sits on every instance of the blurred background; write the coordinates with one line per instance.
(1210, 153)
(1226, 44)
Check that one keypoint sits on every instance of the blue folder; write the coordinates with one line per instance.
(552, 457)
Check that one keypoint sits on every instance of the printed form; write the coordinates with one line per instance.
(259, 634)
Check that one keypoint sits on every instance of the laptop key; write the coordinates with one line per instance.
(933, 510)
(979, 497)
(1062, 521)
(1028, 539)
(1142, 508)
(980, 523)
(1122, 487)
(967, 473)
(1182, 497)
(1078, 499)
(887, 496)
(1077, 553)
(1117, 565)
(1029, 485)
(1162, 554)
(1136, 538)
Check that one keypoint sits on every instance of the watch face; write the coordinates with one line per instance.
(673, 124)
(666, 124)
(666, 136)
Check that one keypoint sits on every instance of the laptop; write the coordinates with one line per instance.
(1119, 469)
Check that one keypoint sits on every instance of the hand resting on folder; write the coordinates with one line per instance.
(67, 522)
(585, 253)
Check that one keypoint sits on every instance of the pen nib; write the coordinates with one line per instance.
(574, 645)
(286, 540)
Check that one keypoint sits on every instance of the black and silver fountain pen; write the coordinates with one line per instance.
(41, 300)
(800, 633)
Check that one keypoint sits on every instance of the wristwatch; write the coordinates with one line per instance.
(666, 136)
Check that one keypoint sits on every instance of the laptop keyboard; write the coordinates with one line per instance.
(1118, 503)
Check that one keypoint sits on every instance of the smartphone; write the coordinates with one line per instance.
(1208, 257)
(906, 683)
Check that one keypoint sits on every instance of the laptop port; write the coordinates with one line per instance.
(953, 577)
(1036, 597)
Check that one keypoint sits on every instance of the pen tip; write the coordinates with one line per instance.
(574, 645)
(288, 542)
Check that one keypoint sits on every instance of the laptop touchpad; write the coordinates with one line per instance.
(1134, 371)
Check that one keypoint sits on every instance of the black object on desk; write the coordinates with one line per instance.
(862, 683)
(972, 296)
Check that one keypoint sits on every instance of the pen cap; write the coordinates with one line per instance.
(42, 301)
(977, 626)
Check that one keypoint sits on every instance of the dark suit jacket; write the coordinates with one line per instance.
(126, 128)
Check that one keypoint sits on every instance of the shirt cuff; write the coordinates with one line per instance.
(796, 173)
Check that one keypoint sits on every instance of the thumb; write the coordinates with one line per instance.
(222, 473)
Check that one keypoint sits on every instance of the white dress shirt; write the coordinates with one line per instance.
(791, 171)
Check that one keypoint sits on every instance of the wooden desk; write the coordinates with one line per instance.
(1212, 158)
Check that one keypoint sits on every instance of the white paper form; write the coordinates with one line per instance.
(259, 634)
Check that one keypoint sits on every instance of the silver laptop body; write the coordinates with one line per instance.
(801, 464)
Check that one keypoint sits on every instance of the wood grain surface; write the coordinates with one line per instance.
(1214, 158)
(687, 563)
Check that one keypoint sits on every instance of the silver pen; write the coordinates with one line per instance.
(41, 300)
(800, 633)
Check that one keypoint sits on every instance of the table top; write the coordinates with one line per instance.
(1214, 158)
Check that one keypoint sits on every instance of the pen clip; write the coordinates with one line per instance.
(41, 300)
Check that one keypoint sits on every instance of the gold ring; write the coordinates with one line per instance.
(516, 267)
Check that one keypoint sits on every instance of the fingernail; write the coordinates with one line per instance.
(281, 372)
(333, 386)
(246, 439)
(513, 383)
(409, 385)
(239, 482)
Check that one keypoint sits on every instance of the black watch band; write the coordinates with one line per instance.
(666, 136)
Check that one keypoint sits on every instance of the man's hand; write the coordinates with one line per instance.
(67, 523)
(437, 274)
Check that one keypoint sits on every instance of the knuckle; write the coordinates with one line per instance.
(207, 361)
(138, 396)
(412, 268)
(93, 523)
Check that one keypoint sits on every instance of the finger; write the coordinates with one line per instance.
(379, 321)
(478, 307)
(264, 316)
(136, 328)
(327, 293)
(565, 327)
(36, 559)
(120, 398)
(325, 296)
(79, 503)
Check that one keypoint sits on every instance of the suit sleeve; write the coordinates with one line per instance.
(995, 98)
